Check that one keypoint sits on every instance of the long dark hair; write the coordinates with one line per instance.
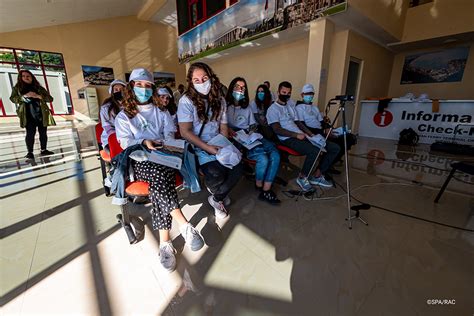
(230, 98)
(214, 96)
(267, 100)
(24, 87)
(130, 104)
(172, 108)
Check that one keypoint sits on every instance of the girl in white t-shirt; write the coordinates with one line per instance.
(201, 117)
(109, 110)
(145, 120)
(266, 155)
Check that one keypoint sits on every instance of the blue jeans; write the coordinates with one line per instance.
(268, 160)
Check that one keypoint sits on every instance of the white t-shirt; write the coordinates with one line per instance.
(285, 115)
(239, 117)
(108, 124)
(187, 113)
(309, 114)
(149, 123)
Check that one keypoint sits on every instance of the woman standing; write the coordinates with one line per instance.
(201, 117)
(266, 155)
(32, 109)
(145, 120)
(109, 110)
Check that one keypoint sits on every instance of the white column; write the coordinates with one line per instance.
(319, 48)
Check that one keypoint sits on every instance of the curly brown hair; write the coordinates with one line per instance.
(130, 104)
(214, 97)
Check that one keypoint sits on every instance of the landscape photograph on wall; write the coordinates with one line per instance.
(97, 76)
(248, 20)
(439, 66)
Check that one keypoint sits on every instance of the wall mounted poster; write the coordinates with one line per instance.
(160, 78)
(248, 20)
(440, 66)
(164, 79)
(98, 76)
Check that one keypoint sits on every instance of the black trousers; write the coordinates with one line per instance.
(305, 148)
(31, 126)
(219, 179)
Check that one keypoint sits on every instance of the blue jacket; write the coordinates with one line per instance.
(121, 168)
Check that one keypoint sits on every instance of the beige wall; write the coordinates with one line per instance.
(376, 65)
(121, 43)
(448, 90)
(438, 18)
(285, 61)
(389, 14)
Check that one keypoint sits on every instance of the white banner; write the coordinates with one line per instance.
(453, 121)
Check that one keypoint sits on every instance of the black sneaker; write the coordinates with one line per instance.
(258, 188)
(30, 156)
(46, 153)
(269, 196)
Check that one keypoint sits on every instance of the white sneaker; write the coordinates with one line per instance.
(321, 181)
(227, 199)
(219, 208)
(192, 237)
(167, 256)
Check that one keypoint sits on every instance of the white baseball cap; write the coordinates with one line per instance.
(113, 83)
(163, 91)
(307, 88)
(141, 74)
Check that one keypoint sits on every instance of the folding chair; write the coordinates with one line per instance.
(466, 167)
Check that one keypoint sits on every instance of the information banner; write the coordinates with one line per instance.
(453, 120)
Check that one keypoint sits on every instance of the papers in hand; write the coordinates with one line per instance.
(170, 155)
(220, 141)
(318, 141)
(249, 141)
(174, 145)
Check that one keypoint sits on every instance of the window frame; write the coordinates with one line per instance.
(204, 18)
(42, 66)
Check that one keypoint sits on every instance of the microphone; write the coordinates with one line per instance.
(344, 97)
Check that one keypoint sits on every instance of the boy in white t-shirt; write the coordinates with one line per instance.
(309, 115)
(292, 133)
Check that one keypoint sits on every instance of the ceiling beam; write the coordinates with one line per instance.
(150, 8)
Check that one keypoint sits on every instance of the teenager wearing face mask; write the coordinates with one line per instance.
(145, 120)
(168, 101)
(284, 121)
(310, 116)
(267, 157)
(259, 105)
(32, 109)
(109, 110)
(201, 117)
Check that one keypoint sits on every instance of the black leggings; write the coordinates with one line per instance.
(162, 191)
(31, 126)
(219, 179)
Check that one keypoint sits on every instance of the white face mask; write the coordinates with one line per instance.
(203, 88)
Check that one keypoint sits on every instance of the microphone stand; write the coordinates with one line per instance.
(355, 208)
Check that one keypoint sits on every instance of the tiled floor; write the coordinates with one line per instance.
(62, 251)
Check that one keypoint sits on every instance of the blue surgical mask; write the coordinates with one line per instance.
(238, 95)
(261, 96)
(308, 99)
(142, 94)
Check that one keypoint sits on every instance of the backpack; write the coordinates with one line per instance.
(408, 137)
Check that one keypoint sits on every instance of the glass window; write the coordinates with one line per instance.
(28, 56)
(7, 55)
(47, 67)
(52, 59)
